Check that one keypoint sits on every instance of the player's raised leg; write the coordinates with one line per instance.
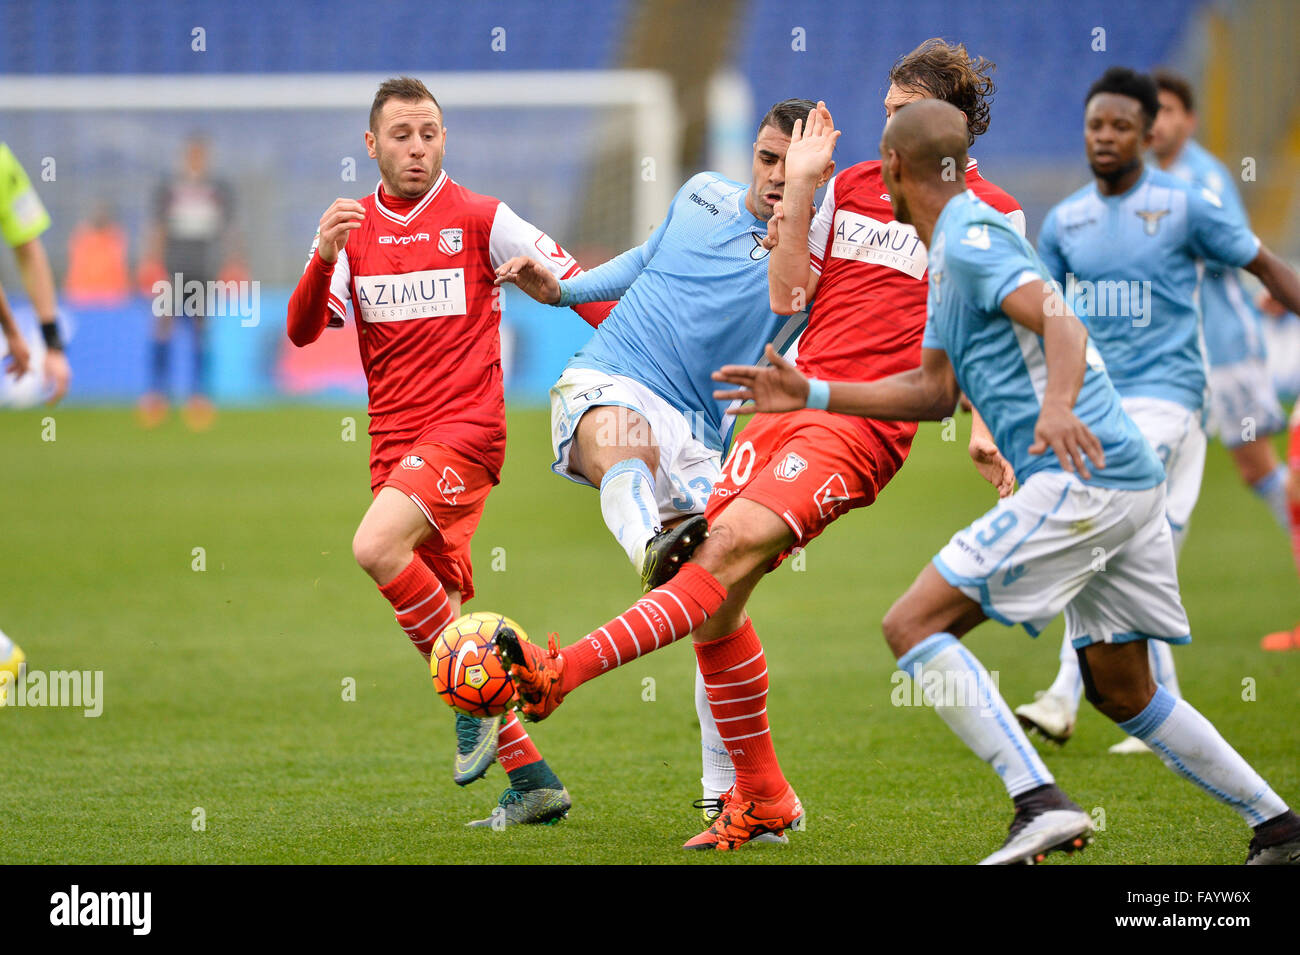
(923, 629)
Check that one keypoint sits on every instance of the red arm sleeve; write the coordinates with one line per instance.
(593, 313)
(309, 311)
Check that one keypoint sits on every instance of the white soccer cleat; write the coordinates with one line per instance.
(1048, 716)
(1046, 821)
(1128, 746)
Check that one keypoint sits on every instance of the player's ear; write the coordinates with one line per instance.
(370, 145)
(827, 173)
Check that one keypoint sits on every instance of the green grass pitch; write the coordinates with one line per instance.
(225, 735)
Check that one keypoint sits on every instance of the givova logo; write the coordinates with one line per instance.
(75, 907)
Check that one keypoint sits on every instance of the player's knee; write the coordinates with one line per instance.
(375, 554)
(899, 629)
(1118, 702)
(733, 551)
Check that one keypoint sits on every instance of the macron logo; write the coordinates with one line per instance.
(102, 908)
(977, 237)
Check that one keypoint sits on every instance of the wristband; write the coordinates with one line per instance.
(50, 332)
(819, 394)
(566, 300)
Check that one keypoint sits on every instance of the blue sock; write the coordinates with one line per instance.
(1272, 488)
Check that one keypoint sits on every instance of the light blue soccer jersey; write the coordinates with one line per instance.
(1128, 265)
(976, 260)
(692, 298)
(1233, 327)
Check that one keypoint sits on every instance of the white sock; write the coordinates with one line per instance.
(1068, 685)
(1161, 656)
(719, 772)
(1272, 488)
(1189, 744)
(962, 693)
(627, 501)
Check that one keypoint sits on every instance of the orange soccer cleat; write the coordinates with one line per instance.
(743, 819)
(1282, 640)
(537, 675)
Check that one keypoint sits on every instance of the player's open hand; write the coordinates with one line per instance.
(1060, 429)
(992, 465)
(779, 387)
(533, 278)
(342, 217)
(812, 145)
(19, 358)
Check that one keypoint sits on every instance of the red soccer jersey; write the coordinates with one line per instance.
(868, 316)
(419, 284)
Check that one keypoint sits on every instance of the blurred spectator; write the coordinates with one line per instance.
(188, 242)
(98, 274)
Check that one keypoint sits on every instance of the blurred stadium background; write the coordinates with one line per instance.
(100, 95)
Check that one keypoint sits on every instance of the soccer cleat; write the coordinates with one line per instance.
(476, 747)
(669, 549)
(1129, 746)
(1281, 641)
(1045, 821)
(532, 807)
(536, 675)
(1276, 842)
(711, 809)
(1048, 716)
(743, 820)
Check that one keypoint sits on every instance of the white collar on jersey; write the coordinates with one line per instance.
(418, 207)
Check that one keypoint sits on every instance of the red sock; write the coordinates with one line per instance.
(735, 676)
(422, 606)
(515, 748)
(662, 616)
(1293, 463)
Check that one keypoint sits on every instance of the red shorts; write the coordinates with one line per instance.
(808, 467)
(450, 489)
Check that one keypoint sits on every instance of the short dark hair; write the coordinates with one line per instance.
(405, 88)
(1125, 82)
(1176, 83)
(783, 114)
(947, 72)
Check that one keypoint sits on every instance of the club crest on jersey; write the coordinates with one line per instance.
(831, 495)
(1151, 219)
(451, 485)
(758, 253)
(451, 241)
(412, 462)
(790, 468)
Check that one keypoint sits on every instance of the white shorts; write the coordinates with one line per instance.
(1243, 404)
(688, 468)
(1103, 555)
(1174, 432)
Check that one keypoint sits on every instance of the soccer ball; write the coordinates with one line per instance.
(466, 671)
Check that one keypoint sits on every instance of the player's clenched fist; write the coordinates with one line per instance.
(778, 388)
(339, 219)
(533, 279)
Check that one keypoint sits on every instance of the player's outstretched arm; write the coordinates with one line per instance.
(1278, 277)
(928, 393)
(38, 280)
(532, 278)
(19, 359)
(790, 279)
(1037, 306)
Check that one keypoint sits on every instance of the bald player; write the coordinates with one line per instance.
(998, 331)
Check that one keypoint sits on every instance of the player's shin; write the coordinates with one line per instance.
(627, 502)
(420, 603)
(663, 616)
(961, 691)
(718, 772)
(521, 760)
(1189, 744)
(735, 678)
